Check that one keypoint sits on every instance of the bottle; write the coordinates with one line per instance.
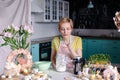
(76, 62)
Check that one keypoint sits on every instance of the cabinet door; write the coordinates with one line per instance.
(94, 46)
(66, 9)
(63, 9)
(54, 10)
(84, 48)
(35, 52)
(115, 54)
(47, 10)
(112, 47)
(60, 9)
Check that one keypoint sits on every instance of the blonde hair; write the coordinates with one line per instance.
(65, 20)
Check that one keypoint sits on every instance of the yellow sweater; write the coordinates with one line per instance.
(76, 43)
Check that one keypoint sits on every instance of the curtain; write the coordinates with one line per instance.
(15, 12)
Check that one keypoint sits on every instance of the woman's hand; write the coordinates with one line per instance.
(54, 66)
(69, 46)
(74, 53)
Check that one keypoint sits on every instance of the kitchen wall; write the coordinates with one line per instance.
(42, 30)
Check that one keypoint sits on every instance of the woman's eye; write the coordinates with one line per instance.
(62, 29)
(65, 29)
(68, 28)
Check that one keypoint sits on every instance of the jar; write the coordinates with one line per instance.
(61, 62)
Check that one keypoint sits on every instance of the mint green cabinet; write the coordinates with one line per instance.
(110, 46)
(35, 52)
(94, 46)
(84, 48)
(113, 48)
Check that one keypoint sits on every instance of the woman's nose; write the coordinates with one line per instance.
(65, 31)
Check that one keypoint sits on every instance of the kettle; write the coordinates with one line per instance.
(78, 64)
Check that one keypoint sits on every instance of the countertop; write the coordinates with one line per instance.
(42, 40)
(48, 39)
(101, 37)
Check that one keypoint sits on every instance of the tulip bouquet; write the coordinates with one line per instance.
(16, 36)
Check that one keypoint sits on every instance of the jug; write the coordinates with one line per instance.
(78, 64)
(60, 62)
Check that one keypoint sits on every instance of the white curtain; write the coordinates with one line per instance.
(12, 12)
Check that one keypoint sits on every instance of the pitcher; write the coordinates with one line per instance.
(60, 62)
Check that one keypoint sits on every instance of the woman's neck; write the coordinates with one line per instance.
(66, 39)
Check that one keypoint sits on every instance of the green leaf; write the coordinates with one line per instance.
(26, 46)
(4, 44)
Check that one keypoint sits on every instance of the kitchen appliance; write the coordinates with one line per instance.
(78, 64)
(45, 51)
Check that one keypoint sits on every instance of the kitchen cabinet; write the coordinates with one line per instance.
(94, 46)
(35, 52)
(63, 9)
(91, 46)
(66, 9)
(113, 48)
(107, 46)
(41, 51)
(84, 48)
(53, 10)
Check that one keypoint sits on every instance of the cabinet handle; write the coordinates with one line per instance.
(33, 47)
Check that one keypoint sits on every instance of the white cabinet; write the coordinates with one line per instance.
(66, 9)
(53, 10)
(63, 9)
(44, 16)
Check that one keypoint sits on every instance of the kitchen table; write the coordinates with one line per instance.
(60, 75)
(53, 74)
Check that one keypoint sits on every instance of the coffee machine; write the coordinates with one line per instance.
(78, 64)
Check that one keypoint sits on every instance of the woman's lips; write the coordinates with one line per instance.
(65, 35)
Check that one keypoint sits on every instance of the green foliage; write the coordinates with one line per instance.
(99, 58)
(16, 37)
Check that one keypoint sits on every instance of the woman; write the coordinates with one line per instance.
(66, 44)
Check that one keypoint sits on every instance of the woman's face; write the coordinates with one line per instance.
(65, 29)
